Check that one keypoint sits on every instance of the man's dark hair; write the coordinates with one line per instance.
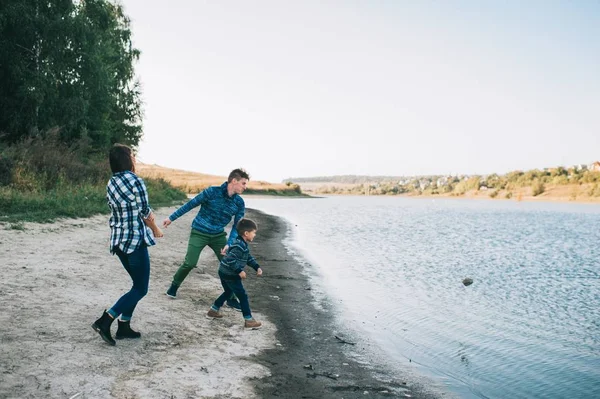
(246, 225)
(238, 174)
(119, 157)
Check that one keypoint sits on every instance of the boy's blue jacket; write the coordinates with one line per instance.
(237, 257)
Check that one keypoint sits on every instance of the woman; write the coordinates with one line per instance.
(129, 239)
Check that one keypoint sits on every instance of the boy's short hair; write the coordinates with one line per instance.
(238, 174)
(119, 157)
(246, 225)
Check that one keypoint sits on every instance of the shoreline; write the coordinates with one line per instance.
(543, 199)
(482, 197)
(310, 362)
(58, 277)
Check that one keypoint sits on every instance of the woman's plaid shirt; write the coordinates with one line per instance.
(128, 200)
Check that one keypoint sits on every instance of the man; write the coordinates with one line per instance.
(218, 204)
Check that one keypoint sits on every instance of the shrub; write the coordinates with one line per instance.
(594, 191)
(6, 170)
(537, 188)
(44, 161)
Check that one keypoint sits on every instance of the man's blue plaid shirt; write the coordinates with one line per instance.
(128, 200)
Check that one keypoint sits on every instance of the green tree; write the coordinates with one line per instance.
(68, 64)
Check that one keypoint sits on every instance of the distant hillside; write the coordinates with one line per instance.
(576, 183)
(194, 182)
(345, 179)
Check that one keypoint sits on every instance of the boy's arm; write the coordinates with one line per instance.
(253, 263)
(199, 199)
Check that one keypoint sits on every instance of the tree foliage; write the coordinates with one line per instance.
(68, 64)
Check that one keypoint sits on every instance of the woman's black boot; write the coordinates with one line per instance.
(125, 331)
(102, 327)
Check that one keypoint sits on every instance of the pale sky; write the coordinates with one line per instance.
(312, 88)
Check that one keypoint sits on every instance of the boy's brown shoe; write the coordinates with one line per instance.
(214, 314)
(252, 323)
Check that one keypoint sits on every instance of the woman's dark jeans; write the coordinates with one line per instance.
(137, 265)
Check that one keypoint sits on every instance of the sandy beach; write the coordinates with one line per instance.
(59, 277)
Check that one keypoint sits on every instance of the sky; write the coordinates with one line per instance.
(291, 89)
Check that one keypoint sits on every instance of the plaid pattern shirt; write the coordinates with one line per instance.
(128, 200)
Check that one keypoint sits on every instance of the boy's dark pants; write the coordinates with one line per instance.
(196, 244)
(233, 285)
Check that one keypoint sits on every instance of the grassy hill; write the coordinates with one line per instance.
(194, 182)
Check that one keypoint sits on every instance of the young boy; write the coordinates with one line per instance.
(231, 272)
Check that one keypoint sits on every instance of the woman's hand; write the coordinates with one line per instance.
(157, 232)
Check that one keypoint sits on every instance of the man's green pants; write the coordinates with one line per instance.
(197, 242)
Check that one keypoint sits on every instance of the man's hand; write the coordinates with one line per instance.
(150, 217)
(224, 250)
(242, 274)
(166, 222)
(259, 272)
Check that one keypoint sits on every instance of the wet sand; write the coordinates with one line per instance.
(311, 362)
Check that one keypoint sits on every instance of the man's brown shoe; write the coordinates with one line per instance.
(252, 323)
(214, 314)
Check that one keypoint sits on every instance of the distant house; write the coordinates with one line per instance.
(595, 167)
(581, 167)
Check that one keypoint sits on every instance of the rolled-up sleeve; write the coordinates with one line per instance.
(141, 197)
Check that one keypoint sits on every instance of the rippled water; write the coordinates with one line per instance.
(529, 325)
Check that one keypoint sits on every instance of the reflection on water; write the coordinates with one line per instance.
(528, 326)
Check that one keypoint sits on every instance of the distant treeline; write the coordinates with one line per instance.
(345, 179)
(458, 185)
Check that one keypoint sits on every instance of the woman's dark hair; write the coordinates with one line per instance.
(246, 225)
(120, 158)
